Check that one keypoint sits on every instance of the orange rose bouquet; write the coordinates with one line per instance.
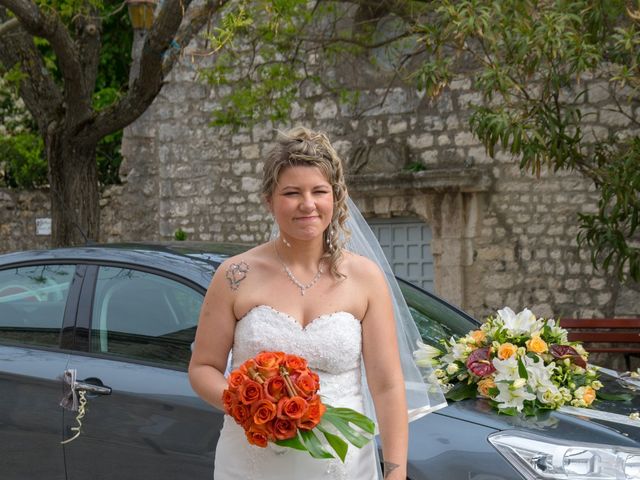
(274, 397)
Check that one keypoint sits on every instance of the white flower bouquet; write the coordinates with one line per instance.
(519, 362)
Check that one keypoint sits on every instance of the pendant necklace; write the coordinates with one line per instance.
(292, 277)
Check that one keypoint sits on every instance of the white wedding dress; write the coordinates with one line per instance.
(332, 345)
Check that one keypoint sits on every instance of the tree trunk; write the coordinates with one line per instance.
(73, 176)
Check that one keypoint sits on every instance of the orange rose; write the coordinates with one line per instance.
(293, 407)
(250, 392)
(537, 345)
(507, 350)
(244, 368)
(295, 363)
(263, 411)
(588, 395)
(312, 416)
(240, 413)
(274, 388)
(236, 378)
(283, 428)
(485, 385)
(306, 385)
(267, 363)
(228, 400)
(478, 336)
(259, 435)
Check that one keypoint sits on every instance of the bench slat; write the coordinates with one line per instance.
(600, 322)
(628, 337)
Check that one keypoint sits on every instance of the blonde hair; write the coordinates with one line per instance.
(303, 147)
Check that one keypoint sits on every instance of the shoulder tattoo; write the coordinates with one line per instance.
(236, 272)
(389, 467)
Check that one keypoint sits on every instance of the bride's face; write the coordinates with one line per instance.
(302, 202)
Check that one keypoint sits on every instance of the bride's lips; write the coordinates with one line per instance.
(310, 218)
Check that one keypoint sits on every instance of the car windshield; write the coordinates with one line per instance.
(435, 319)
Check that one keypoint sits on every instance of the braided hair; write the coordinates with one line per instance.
(303, 147)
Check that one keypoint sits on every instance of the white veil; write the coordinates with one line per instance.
(422, 390)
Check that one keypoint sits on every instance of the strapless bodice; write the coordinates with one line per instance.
(331, 344)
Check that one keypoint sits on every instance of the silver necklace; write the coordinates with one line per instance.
(303, 287)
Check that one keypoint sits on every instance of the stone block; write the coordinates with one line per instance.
(420, 141)
(325, 109)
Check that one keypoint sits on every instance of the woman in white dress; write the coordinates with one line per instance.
(303, 293)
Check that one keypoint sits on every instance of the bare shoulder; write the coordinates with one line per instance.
(361, 268)
(242, 267)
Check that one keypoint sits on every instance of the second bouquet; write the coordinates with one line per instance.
(274, 397)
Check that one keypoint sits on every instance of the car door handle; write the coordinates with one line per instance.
(92, 388)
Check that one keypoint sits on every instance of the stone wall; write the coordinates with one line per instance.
(19, 211)
(500, 237)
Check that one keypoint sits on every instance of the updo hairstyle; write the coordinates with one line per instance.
(303, 147)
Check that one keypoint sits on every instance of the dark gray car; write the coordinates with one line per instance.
(123, 317)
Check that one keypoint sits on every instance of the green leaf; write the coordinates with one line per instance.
(353, 437)
(462, 391)
(352, 416)
(337, 443)
(313, 445)
(522, 369)
(294, 442)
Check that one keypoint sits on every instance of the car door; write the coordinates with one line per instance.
(147, 422)
(34, 301)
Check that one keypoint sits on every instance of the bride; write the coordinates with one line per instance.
(304, 293)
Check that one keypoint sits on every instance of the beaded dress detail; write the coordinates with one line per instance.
(332, 345)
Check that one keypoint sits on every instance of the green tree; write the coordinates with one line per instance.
(61, 94)
(529, 58)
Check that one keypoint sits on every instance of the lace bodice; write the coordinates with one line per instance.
(331, 343)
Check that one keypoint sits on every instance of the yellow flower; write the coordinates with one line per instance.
(478, 336)
(537, 345)
(485, 385)
(586, 394)
(506, 350)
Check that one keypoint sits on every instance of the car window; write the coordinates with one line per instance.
(435, 319)
(32, 303)
(143, 316)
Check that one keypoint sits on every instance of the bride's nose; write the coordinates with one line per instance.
(308, 204)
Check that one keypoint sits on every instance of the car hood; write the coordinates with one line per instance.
(608, 422)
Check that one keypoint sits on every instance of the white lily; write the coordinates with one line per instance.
(506, 370)
(425, 355)
(523, 322)
(510, 397)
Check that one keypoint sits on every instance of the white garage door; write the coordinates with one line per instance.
(407, 244)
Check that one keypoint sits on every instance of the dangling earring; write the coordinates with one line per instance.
(284, 240)
(329, 237)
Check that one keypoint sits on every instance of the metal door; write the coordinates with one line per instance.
(406, 242)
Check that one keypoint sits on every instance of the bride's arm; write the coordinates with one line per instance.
(214, 338)
(384, 374)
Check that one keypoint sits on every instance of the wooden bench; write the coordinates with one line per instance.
(624, 333)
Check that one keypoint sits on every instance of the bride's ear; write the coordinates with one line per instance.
(268, 203)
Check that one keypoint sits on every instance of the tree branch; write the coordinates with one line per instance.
(9, 25)
(157, 59)
(51, 28)
(39, 91)
(88, 29)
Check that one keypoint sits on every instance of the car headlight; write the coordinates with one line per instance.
(539, 457)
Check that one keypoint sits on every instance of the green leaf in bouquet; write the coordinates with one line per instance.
(352, 416)
(353, 437)
(522, 369)
(313, 444)
(338, 444)
(294, 442)
(462, 391)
